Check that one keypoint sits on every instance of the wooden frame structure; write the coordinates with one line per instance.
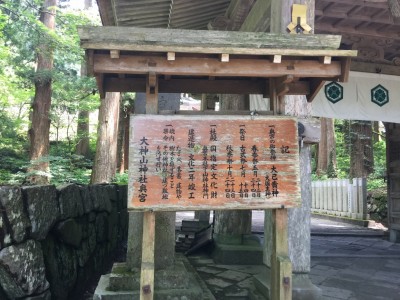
(159, 60)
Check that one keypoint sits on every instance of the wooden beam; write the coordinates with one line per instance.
(259, 17)
(199, 41)
(225, 86)
(147, 267)
(106, 12)
(191, 66)
(360, 31)
(222, 86)
(315, 87)
(374, 68)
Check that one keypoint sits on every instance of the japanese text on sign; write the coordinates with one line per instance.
(193, 162)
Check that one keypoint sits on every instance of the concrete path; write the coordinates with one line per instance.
(347, 262)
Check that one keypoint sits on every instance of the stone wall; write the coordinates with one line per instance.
(55, 240)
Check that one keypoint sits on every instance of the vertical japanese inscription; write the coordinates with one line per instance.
(229, 180)
(143, 169)
(189, 163)
(178, 189)
(272, 146)
(213, 162)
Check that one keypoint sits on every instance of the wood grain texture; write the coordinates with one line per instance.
(198, 41)
(175, 166)
(195, 66)
(147, 266)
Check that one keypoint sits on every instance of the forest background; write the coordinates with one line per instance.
(54, 128)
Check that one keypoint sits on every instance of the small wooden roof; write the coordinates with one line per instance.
(212, 61)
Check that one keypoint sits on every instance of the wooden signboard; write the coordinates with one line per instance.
(213, 162)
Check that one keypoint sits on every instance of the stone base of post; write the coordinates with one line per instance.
(303, 288)
(394, 236)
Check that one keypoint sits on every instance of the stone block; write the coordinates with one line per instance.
(22, 270)
(86, 199)
(100, 197)
(84, 253)
(178, 282)
(43, 210)
(69, 232)
(61, 267)
(123, 196)
(13, 214)
(44, 296)
(102, 227)
(70, 199)
(112, 191)
(92, 240)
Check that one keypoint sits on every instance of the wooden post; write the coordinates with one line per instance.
(281, 267)
(149, 223)
(147, 269)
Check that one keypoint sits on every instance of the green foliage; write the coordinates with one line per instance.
(343, 147)
(331, 172)
(68, 168)
(22, 37)
(121, 179)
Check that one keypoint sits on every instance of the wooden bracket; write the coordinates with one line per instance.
(114, 53)
(89, 62)
(326, 60)
(152, 93)
(277, 59)
(152, 82)
(171, 56)
(224, 57)
(282, 84)
(315, 86)
(100, 84)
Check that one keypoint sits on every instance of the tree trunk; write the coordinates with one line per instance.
(40, 120)
(376, 134)
(361, 153)
(82, 146)
(105, 163)
(327, 149)
(123, 140)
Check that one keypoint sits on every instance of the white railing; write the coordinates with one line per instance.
(340, 197)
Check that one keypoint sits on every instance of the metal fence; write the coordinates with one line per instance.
(340, 197)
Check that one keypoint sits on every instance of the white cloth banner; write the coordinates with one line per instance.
(365, 96)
